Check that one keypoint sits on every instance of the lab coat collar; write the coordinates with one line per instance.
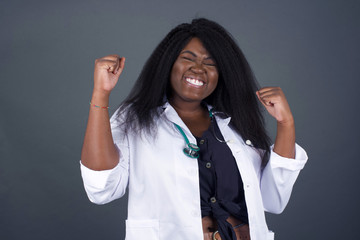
(172, 116)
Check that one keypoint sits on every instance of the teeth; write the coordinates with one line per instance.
(195, 81)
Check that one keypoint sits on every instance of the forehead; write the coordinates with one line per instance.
(196, 46)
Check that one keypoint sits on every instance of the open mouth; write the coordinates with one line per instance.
(194, 81)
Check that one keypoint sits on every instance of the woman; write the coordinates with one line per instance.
(189, 142)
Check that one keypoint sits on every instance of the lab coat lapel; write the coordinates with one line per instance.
(170, 114)
(236, 144)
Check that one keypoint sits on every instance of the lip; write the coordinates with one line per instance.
(194, 77)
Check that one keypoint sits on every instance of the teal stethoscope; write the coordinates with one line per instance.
(191, 149)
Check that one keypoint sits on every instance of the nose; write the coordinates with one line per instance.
(198, 67)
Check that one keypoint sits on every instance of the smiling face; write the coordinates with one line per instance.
(194, 75)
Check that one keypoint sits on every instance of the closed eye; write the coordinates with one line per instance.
(210, 64)
(189, 59)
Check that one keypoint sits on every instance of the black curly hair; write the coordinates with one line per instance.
(234, 95)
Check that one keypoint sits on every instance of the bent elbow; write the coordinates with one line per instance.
(99, 199)
(275, 203)
(103, 196)
(275, 209)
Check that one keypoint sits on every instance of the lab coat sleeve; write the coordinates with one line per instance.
(107, 185)
(278, 178)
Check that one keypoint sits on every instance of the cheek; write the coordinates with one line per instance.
(174, 78)
(214, 80)
(175, 72)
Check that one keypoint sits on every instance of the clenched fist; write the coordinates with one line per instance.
(107, 72)
(273, 99)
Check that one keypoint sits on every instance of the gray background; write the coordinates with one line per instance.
(47, 48)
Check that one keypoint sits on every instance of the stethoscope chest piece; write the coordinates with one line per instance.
(191, 150)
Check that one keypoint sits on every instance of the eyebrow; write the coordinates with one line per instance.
(190, 52)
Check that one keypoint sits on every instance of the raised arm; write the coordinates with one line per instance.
(276, 104)
(98, 151)
(280, 174)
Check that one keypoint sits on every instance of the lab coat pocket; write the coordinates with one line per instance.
(142, 229)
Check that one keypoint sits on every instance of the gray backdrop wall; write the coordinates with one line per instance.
(47, 52)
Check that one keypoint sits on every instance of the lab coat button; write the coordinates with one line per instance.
(213, 200)
(208, 165)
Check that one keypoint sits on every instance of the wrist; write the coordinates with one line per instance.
(286, 123)
(101, 94)
(100, 98)
(286, 127)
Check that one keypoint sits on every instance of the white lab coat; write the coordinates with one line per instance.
(164, 195)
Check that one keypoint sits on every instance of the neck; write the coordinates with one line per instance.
(188, 109)
(194, 115)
